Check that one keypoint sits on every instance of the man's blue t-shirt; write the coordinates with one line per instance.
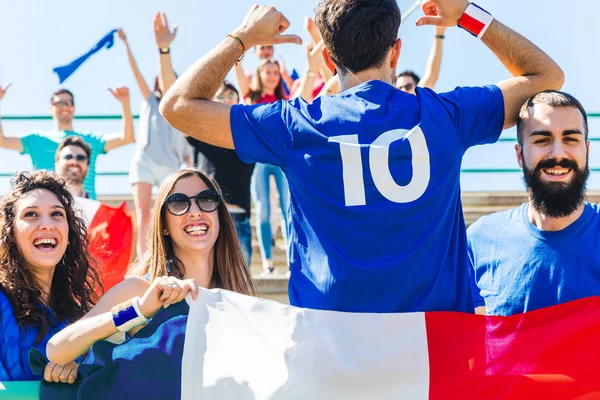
(518, 267)
(376, 220)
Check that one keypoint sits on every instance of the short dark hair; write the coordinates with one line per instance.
(553, 98)
(358, 33)
(62, 91)
(226, 85)
(74, 141)
(410, 74)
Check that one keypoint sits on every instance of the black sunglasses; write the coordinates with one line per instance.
(78, 157)
(63, 103)
(179, 203)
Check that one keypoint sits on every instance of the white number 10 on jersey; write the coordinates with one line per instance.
(352, 167)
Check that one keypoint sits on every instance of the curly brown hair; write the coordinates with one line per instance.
(75, 286)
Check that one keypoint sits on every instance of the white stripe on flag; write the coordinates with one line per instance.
(88, 209)
(241, 347)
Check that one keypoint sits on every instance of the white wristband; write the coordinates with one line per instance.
(475, 20)
(128, 316)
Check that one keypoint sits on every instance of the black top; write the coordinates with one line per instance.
(227, 169)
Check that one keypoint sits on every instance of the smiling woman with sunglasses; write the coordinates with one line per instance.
(192, 243)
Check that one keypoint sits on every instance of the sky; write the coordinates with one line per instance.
(38, 35)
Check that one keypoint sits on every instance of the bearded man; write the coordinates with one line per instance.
(72, 163)
(546, 251)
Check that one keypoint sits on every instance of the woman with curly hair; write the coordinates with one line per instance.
(47, 278)
(192, 243)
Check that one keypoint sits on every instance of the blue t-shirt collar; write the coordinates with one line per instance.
(572, 229)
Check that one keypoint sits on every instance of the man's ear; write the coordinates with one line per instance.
(519, 151)
(396, 47)
(328, 61)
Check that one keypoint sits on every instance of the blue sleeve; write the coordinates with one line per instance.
(260, 133)
(10, 356)
(478, 301)
(477, 113)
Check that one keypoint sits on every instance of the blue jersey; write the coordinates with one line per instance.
(518, 267)
(376, 220)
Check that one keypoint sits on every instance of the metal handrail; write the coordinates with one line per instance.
(125, 173)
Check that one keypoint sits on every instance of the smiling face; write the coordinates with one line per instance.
(63, 108)
(41, 229)
(270, 76)
(72, 164)
(554, 158)
(196, 230)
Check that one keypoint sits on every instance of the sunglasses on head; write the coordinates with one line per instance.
(63, 103)
(179, 203)
(78, 157)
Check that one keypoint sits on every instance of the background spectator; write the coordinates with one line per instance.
(42, 146)
(160, 149)
(72, 163)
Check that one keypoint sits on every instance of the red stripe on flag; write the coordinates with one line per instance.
(552, 353)
(111, 234)
(471, 24)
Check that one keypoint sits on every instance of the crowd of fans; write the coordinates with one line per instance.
(196, 232)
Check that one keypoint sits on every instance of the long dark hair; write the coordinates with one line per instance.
(230, 271)
(255, 95)
(75, 285)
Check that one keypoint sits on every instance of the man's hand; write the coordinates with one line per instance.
(440, 30)
(163, 34)
(164, 291)
(61, 373)
(121, 35)
(121, 93)
(265, 26)
(3, 90)
(442, 12)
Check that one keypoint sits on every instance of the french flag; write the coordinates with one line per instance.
(110, 231)
(229, 346)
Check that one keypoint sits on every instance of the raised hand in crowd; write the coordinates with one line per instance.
(165, 291)
(114, 141)
(121, 93)
(312, 29)
(3, 90)
(316, 64)
(163, 34)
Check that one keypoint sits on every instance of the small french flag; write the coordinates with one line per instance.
(475, 20)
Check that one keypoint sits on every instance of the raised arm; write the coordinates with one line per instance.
(532, 69)
(315, 64)
(164, 37)
(77, 339)
(11, 143)
(432, 71)
(144, 89)
(187, 106)
(242, 80)
(121, 139)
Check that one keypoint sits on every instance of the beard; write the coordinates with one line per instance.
(73, 175)
(556, 199)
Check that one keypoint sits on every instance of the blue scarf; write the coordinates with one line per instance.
(66, 71)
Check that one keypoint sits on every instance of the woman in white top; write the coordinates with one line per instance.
(161, 150)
